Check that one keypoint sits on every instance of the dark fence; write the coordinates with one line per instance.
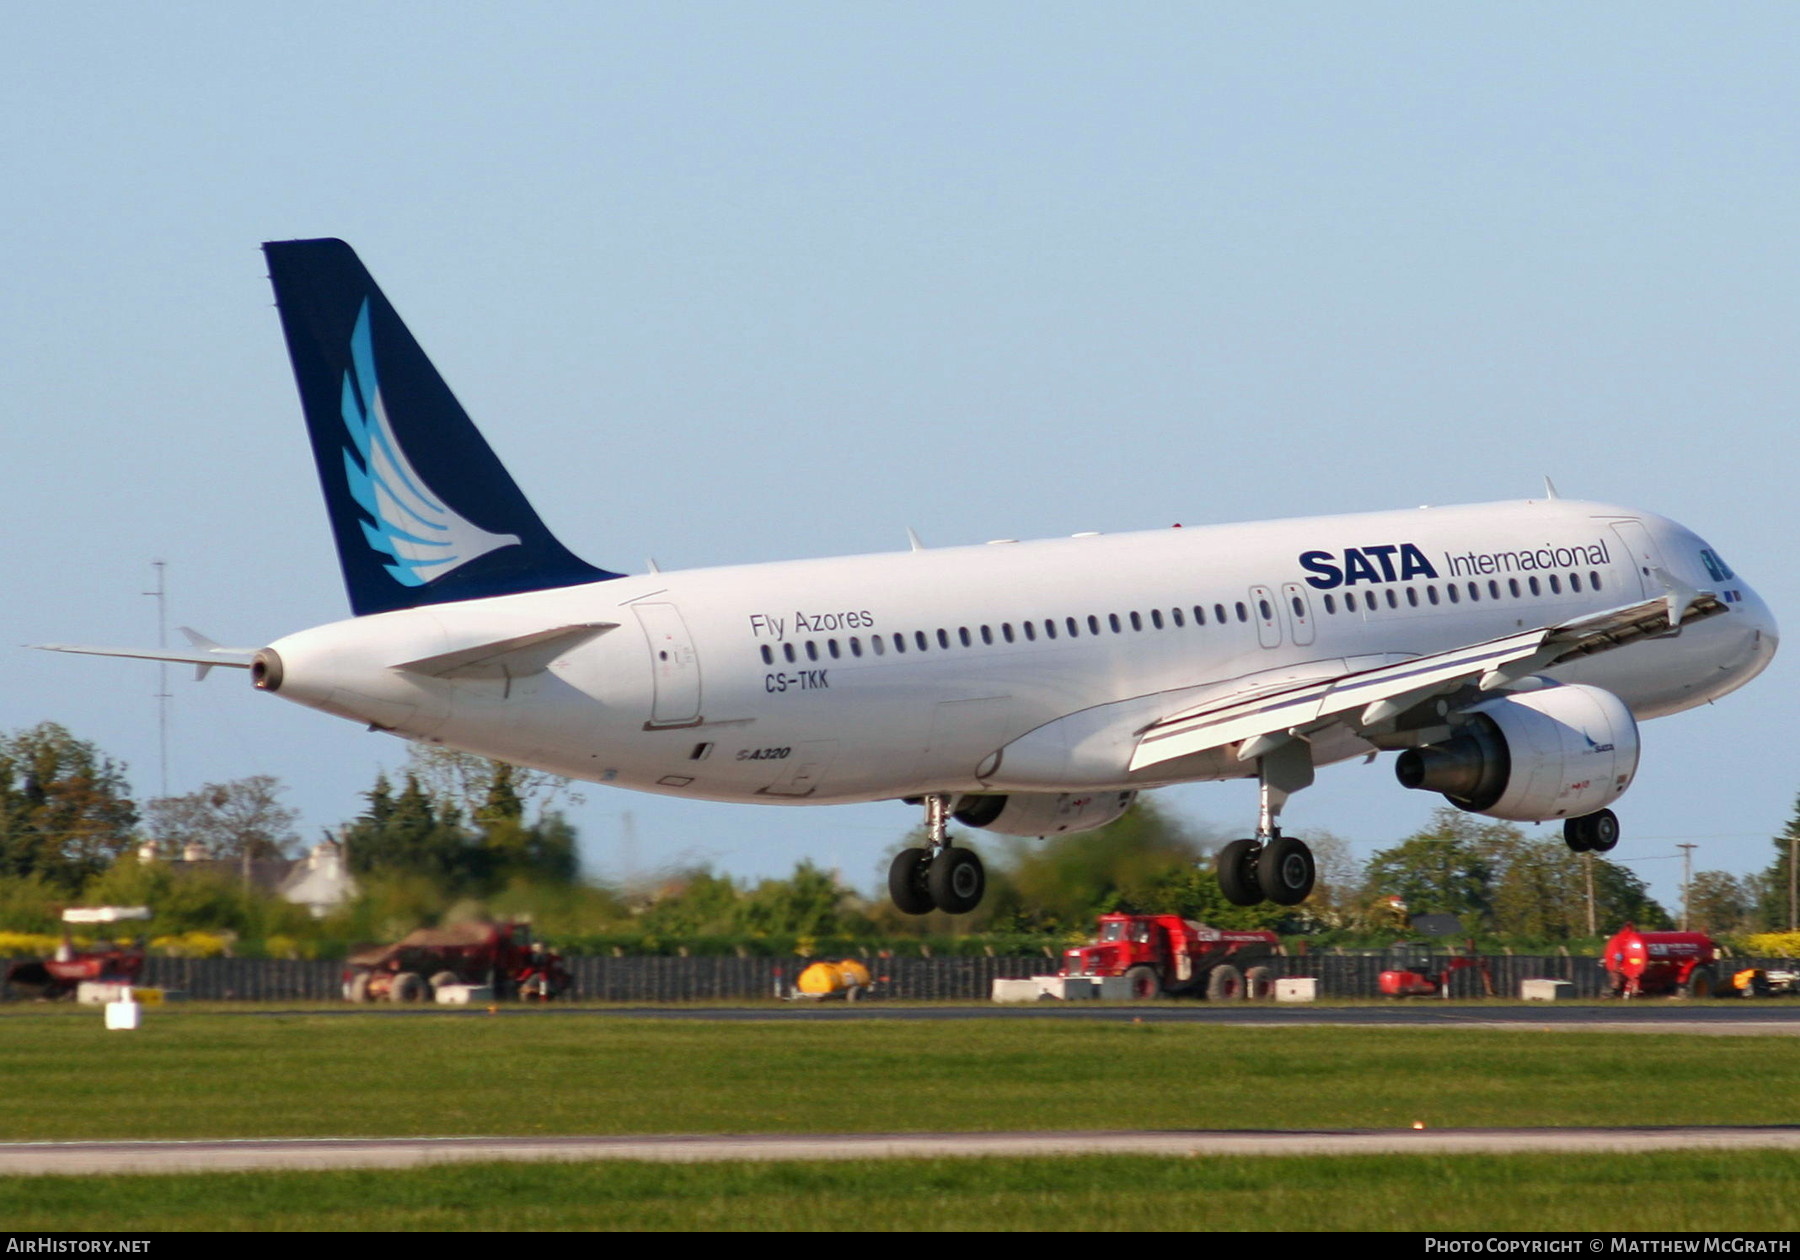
(659, 979)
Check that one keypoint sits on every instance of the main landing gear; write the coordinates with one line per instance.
(1592, 833)
(1271, 866)
(939, 877)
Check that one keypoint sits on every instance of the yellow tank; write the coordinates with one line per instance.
(827, 977)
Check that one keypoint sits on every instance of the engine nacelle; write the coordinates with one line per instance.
(1042, 813)
(1557, 753)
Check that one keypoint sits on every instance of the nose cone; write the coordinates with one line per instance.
(1755, 624)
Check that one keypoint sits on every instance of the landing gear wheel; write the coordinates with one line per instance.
(1285, 871)
(956, 881)
(1595, 833)
(1237, 873)
(1145, 987)
(906, 882)
(1225, 983)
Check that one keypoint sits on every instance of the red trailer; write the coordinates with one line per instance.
(1167, 954)
(504, 955)
(1668, 964)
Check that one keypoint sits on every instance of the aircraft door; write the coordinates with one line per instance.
(1266, 616)
(674, 666)
(1641, 553)
(1299, 613)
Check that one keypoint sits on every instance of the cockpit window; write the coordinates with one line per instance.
(1716, 568)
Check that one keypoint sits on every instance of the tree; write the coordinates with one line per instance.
(466, 782)
(65, 808)
(244, 817)
(408, 835)
(1720, 904)
(1446, 868)
(1776, 904)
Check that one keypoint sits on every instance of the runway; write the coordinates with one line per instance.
(296, 1154)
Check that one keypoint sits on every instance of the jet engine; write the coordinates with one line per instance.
(1558, 753)
(1042, 813)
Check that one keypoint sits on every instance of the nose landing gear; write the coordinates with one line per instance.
(939, 877)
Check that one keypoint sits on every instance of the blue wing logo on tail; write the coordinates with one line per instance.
(410, 525)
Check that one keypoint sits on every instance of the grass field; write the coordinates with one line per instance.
(190, 1073)
(1667, 1191)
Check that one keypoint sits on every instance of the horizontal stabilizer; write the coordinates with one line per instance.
(203, 654)
(509, 658)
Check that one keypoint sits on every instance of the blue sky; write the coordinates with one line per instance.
(730, 283)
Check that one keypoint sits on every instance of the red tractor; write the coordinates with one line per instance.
(1412, 974)
(503, 955)
(61, 974)
(1165, 954)
(1667, 964)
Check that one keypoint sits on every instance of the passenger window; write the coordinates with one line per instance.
(1199, 615)
(812, 650)
(1594, 580)
(1242, 612)
(877, 642)
(1093, 624)
(1156, 618)
(1493, 589)
(1431, 594)
(855, 646)
(767, 655)
(1137, 622)
(899, 643)
(963, 634)
(1412, 596)
(1262, 606)
(1512, 584)
(1453, 593)
(943, 638)
(1176, 614)
(1575, 583)
(832, 647)
(1299, 608)
(987, 635)
(920, 639)
(1072, 626)
(1392, 599)
(1112, 619)
(1006, 631)
(1049, 627)
(1533, 584)
(1030, 632)
(787, 650)
(1349, 601)
(1474, 592)
(1331, 605)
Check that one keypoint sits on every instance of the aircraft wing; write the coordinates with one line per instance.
(1365, 697)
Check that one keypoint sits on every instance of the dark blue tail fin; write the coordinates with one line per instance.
(422, 510)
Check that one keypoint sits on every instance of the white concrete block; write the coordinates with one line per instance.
(464, 994)
(94, 992)
(1114, 989)
(1296, 988)
(1017, 990)
(122, 1015)
(1546, 990)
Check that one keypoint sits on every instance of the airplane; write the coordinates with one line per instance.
(1506, 651)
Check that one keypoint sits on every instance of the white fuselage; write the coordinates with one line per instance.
(1016, 666)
